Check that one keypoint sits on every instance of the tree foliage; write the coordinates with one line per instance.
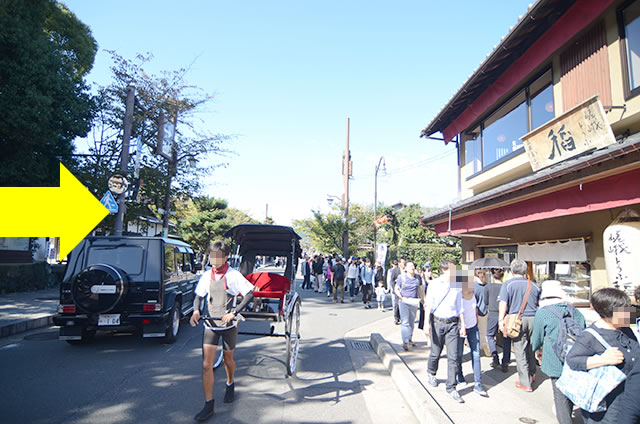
(167, 94)
(401, 231)
(208, 223)
(237, 217)
(45, 52)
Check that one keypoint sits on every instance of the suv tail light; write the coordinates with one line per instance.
(67, 309)
(152, 307)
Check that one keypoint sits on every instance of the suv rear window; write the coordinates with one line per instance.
(127, 258)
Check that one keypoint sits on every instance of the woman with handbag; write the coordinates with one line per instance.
(613, 343)
(410, 293)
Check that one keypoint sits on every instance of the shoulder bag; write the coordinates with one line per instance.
(513, 322)
(588, 389)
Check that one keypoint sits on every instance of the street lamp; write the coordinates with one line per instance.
(331, 198)
(375, 205)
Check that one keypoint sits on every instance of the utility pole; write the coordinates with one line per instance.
(347, 171)
(375, 208)
(173, 170)
(124, 157)
(173, 165)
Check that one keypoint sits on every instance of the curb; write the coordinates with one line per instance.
(424, 406)
(25, 325)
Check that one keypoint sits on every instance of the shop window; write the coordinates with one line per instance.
(498, 135)
(630, 27)
(541, 93)
(575, 277)
(504, 129)
(507, 253)
(473, 151)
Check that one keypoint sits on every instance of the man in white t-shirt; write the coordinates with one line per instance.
(219, 288)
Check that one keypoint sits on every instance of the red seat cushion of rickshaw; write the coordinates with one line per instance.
(269, 284)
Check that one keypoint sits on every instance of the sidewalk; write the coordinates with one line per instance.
(25, 311)
(505, 403)
(399, 377)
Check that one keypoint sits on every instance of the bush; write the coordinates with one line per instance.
(419, 254)
(27, 277)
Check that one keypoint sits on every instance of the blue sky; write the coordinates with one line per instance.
(286, 75)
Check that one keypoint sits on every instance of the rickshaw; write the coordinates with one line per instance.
(275, 296)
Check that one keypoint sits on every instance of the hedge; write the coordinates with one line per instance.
(26, 277)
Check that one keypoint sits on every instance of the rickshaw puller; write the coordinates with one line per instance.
(220, 286)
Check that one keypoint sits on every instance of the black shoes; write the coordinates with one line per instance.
(207, 410)
(495, 363)
(206, 413)
(229, 393)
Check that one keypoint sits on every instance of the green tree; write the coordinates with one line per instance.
(402, 232)
(45, 52)
(167, 94)
(323, 232)
(207, 224)
(237, 217)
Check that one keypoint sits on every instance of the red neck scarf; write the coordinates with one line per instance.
(217, 274)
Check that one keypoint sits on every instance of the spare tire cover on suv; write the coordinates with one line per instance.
(99, 288)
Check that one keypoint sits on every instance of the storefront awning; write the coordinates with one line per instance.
(611, 192)
(554, 251)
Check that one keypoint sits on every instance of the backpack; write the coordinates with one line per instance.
(568, 331)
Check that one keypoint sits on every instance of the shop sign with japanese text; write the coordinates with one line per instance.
(581, 128)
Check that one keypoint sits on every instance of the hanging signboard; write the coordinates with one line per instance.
(166, 136)
(581, 128)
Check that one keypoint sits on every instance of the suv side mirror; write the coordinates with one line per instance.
(186, 268)
(198, 266)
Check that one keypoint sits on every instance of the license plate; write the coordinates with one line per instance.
(109, 319)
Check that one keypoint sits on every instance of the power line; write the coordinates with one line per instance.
(411, 166)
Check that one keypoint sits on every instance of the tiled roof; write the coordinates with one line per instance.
(538, 18)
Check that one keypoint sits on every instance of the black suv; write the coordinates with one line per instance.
(127, 284)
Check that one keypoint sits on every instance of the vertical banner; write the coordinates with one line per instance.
(381, 253)
(621, 246)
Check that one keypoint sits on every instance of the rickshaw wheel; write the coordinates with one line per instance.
(219, 358)
(293, 338)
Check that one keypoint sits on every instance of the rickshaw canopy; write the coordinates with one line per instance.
(267, 240)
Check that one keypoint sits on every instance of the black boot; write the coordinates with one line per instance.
(496, 361)
(229, 392)
(206, 413)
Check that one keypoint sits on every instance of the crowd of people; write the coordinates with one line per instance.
(331, 275)
(536, 321)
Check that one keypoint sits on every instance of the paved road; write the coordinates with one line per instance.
(122, 379)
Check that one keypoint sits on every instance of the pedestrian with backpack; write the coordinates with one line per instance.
(555, 328)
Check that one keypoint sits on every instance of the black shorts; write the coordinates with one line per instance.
(229, 338)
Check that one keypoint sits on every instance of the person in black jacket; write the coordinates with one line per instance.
(629, 405)
(614, 308)
(306, 273)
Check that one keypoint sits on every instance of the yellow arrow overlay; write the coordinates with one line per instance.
(69, 211)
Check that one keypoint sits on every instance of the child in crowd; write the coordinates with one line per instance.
(381, 293)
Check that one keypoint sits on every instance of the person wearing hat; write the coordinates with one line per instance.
(546, 325)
